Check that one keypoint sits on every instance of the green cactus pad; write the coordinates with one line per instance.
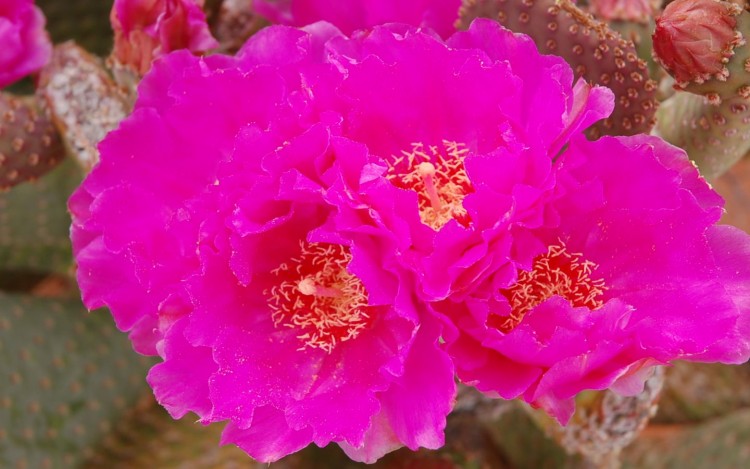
(715, 136)
(595, 52)
(721, 443)
(34, 223)
(67, 377)
(699, 391)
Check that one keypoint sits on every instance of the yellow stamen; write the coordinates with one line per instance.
(317, 295)
(555, 273)
(437, 175)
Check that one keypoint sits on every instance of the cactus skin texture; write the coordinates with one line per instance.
(67, 378)
(84, 100)
(718, 443)
(35, 225)
(595, 52)
(703, 44)
(694, 392)
(29, 143)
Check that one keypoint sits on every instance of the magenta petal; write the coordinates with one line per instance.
(440, 15)
(379, 440)
(417, 404)
(180, 383)
(269, 438)
(731, 249)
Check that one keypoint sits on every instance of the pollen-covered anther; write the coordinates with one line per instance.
(315, 294)
(437, 174)
(556, 273)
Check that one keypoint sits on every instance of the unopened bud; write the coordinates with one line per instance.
(694, 39)
(625, 10)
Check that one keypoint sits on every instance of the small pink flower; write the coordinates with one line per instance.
(148, 29)
(348, 16)
(25, 46)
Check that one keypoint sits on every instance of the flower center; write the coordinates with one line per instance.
(437, 175)
(316, 295)
(557, 272)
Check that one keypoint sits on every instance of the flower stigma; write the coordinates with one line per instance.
(437, 174)
(315, 294)
(555, 273)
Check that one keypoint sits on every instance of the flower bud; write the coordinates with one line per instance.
(148, 29)
(694, 39)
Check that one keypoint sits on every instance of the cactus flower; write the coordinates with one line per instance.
(263, 314)
(148, 29)
(312, 234)
(636, 273)
(25, 46)
(439, 15)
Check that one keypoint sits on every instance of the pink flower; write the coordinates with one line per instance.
(309, 232)
(24, 44)
(636, 273)
(453, 125)
(205, 230)
(440, 15)
(148, 29)
(559, 264)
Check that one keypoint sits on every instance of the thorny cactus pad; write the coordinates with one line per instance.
(29, 143)
(595, 52)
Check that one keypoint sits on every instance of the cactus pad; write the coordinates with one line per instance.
(84, 100)
(67, 377)
(29, 143)
(595, 52)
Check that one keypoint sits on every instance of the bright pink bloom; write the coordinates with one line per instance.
(635, 274)
(561, 264)
(467, 129)
(204, 230)
(297, 230)
(148, 29)
(24, 43)
(348, 16)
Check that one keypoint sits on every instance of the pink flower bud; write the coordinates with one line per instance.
(24, 44)
(148, 29)
(625, 10)
(694, 39)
